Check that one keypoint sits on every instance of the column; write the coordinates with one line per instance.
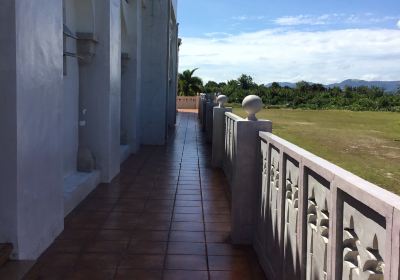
(31, 169)
(101, 91)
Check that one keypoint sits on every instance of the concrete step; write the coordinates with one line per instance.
(5, 252)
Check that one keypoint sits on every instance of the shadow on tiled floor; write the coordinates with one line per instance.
(166, 216)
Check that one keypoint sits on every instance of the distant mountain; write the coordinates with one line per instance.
(389, 86)
(386, 85)
(285, 84)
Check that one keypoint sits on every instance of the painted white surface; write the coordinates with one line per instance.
(40, 108)
(85, 15)
(173, 72)
(31, 191)
(100, 91)
(8, 122)
(175, 7)
(154, 72)
(124, 152)
(131, 78)
(70, 115)
(77, 186)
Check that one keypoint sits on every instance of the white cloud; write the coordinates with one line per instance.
(245, 18)
(281, 55)
(240, 18)
(335, 18)
(302, 20)
(217, 34)
(398, 24)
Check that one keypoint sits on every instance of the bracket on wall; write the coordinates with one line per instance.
(68, 33)
(71, 55)
(86, 47)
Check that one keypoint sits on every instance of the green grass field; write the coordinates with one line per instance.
(365, 143)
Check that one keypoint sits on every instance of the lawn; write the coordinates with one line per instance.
(365, 143)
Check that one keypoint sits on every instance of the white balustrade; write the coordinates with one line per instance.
(306, 217)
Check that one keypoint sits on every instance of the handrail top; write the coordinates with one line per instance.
(238, 118)
(337, 173)
(233, 116)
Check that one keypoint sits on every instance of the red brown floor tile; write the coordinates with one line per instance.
(186, 248)
(186, 262)
(165, 216)
(132, 274)
(147, 247)
(185, 275)
(187, 236)
(145, 262)
(188, 226)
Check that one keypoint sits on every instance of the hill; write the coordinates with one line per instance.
(389, 86)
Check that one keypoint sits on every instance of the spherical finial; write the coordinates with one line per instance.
(222, 99)
(252, 104)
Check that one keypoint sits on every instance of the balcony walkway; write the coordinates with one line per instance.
(166, 216)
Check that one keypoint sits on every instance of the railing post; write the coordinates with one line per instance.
(245, 187)
(209, 118)
(200, 108)
(204, 113)
(218, 135)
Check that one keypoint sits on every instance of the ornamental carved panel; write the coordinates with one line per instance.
(264, 178)
(317, 228)
(274, 191)
(291, 201)
(271, 203)
(363, 245)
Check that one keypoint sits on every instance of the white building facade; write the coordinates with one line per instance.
(83, 84)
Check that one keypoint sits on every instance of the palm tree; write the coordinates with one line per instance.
(189, 85)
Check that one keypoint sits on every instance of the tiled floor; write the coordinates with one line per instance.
(166, 216)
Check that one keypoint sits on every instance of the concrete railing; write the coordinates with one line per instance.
(318, 221)
(206, 105)
(241, 148)
(187, 102)
(306, 217)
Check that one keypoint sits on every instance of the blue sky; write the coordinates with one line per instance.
(280, 40)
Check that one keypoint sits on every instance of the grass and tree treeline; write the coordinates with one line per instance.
(304, 95)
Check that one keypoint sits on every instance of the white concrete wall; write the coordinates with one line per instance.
(100, 91)
(31, 204)
(40, 108)
(71, 95)
(175, 7)
(173, 71)
(85, 15)
(8, 123)
(130, 79)
(155, 31)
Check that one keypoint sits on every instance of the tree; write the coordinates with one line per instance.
(189, 85)
(276, 86)
(211, 87)
(305, 95)
(246, 82)
(303, 87)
